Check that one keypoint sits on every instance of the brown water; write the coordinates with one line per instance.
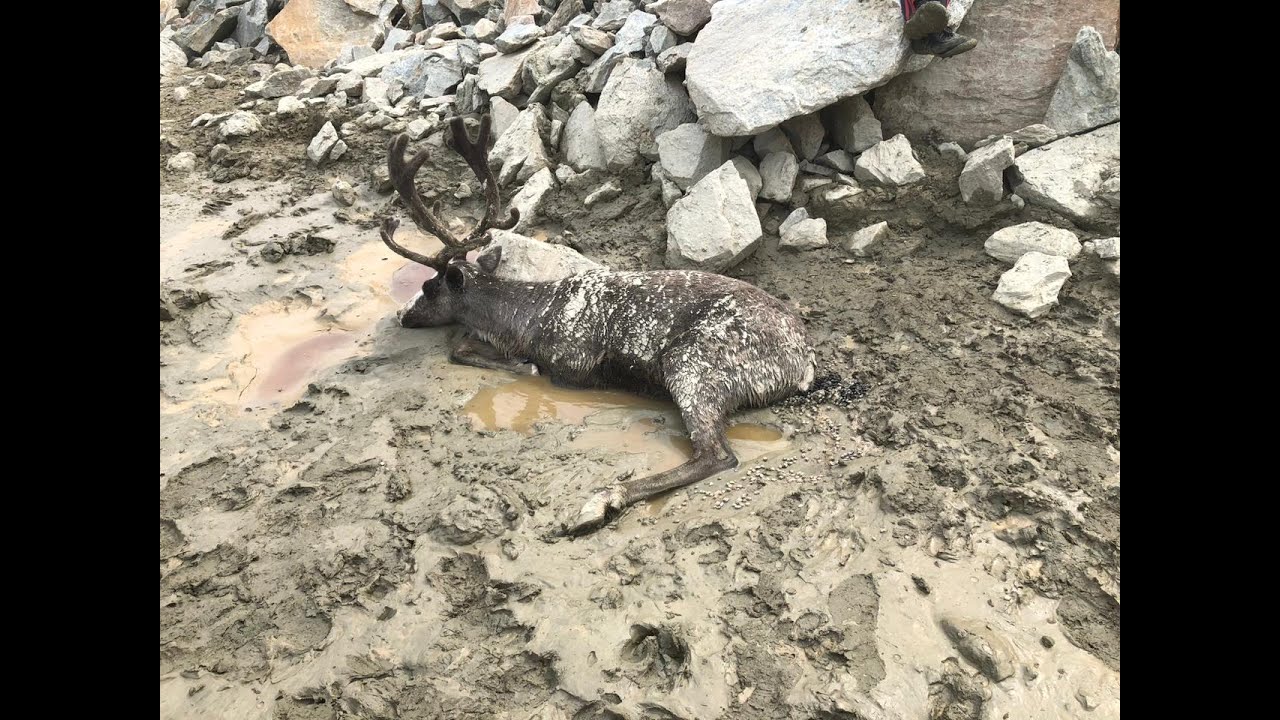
(300, 363)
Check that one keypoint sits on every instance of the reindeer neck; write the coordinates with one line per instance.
(504, 313)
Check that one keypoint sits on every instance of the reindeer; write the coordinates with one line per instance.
(710, 343)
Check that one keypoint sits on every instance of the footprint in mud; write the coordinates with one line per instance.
(659, 656)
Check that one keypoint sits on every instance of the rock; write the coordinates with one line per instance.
(638, 104)
(685, 17)
(426, 73)
(317, 87)
(591, 39)
(1011, 243)
(1104, 248)
(180, 94)
(517, 8)
(760, 62)
(1007, 83)
(837, 160)
(865, 240)
(1109, 191)
(805, 235)
(952, 151)
(854, 126)
(501, 75)
(715, 226)
(239, 124)
(982, 179)
(581, 143)
(612, 14)
(981, 646)
(448, 30)
(772, 141)
(516, 37)
(1032, 136)
(1068, 175)
(1088, 95)
(203, 32)
(313, 32)
(485, 31)
(688, 154)
(373, 63)
(183, 162)
(550, 63)
(503, 113)
(778, 170)
(805, 133)
(289, 105)
(796, 217)
(519, 152)
(527, 260)
(629, 41)
(463, 8)
(889, 162)
(418, 128)
(397, 39)
(674, 59)
(530, 198)
(343, 193)
(1031, 286)
(750, 175)
(375, 92)
(172, 59)
(661, 39)
(604, 193)
(322, 144)
(350, 84)
(279, 84)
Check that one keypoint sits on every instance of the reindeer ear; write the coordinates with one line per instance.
(488, 262)
(455, 278)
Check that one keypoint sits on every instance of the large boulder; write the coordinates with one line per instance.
(1011, 243)
(760, 62)
(1031, 286)
(314, 32)
(982, 180)
(581, 141)
(889, 162)
(527, 260)
(638, 104)
(1004, 84)
(688, 153)
(1076, 176)
(427, 73)
(715, 226)
(1088, 95)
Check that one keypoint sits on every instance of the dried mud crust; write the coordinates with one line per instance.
(365, 553)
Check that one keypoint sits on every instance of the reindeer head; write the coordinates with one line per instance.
(443, 297)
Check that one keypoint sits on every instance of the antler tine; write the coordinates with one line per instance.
(389, 226)
(402, 177)
(477, 156)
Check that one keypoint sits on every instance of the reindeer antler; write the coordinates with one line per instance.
(402, 177)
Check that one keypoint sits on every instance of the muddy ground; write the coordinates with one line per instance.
(352, 527)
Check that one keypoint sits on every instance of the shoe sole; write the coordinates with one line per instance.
(960, 49)
(926, 20)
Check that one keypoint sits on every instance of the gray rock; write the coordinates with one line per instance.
(397, 39)
(638, 104)
(278, 84)
(592, 40)
(551, 62)
(750, 175)
(760, 62)
(661, 39)
(982, 179)
(889, 162)
(837, 160)
(1104, 248)
(611, 14)
(469, 98)
(504, 113)
(808, 234)
(772, 141)
(203, 32)
(289, 105)
(865, 240)
(172, 58)
(1033, 136)
(418, 128)
(350, 84)
(1031, 288)
(485, 31)
(251, 23)
(343, 193)
(688, 154)
(374, 63)
(715, 226)
(674, 59)
(779, 171)
(180, 94)
(604, 193)
(516, 37)
(685, 17)
(1067, 175)
(527, 260)
(463, 8)
(796, 217)
(953, 151)
(629, 41)
(501, 75)
(322, 144)
(375, 92)
(1011, 243)
(531, 197)
(183, 162)
(581, 144)
(213, 82)
(239, 124)
(854, 126)
(805, 133)
(447, 31)
(1088, 94)
(981, 646)
(520, 152)
(1109, 191)
(317, 87)
(426, 73)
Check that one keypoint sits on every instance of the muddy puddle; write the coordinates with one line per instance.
(612, 420)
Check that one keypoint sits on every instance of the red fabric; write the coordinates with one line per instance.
(909, 7)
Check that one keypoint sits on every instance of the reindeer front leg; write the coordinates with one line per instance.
(477, 353)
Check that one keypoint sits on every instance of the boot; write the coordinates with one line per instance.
(944, 44)
(930, 17)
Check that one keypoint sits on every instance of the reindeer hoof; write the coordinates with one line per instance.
(597, 510)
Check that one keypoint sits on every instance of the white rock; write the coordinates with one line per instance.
(982, 179)
(343, 193)
(805, 235)
(688, 154)
(240, 124)
(289, 105)
(638, 104)
(520, 152)
(760, 62)
(501, 75)
(527, 260)
(837, 160)
(889, 162)
(750, 175)
(778, 170)
(531, 197)
(1013, 242)
(172, 58)
(854, 126)
(1088, 94)
(805, 133)
(419, 127)
(350, 84)
(715, 226)
(323, 144)
(604, 193)
(797, 216)
(612, 14)
(183, 162)
(593, 40)
(671, 192)
(485, 30)
(1104, 248)
(180, 94)
(1031, 286)
(673, 59)
(516, 37)
(953, 150)
(630, 40)
(1067, 175)
(581, 144)
(866, 239)
(771, 141)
